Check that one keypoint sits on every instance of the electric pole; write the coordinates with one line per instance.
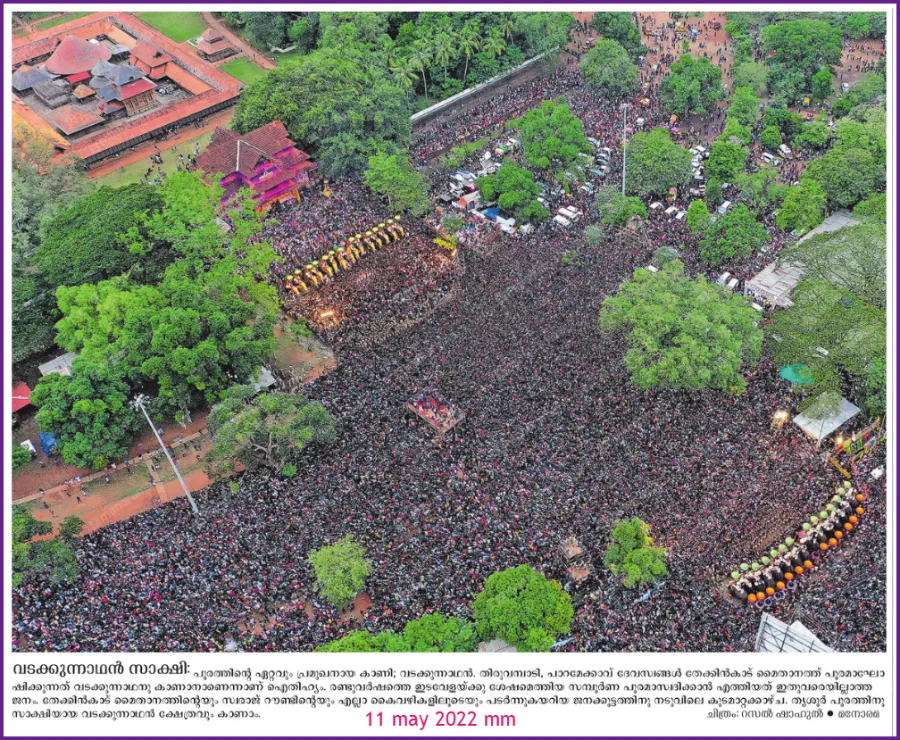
(624, 148)
(139, 403)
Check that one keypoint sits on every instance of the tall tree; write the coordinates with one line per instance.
(340, 110)
(524, 609)
(684, 334)
(607, 68)
(632, 555)
(341, 570)
(266, 429)
(847, 175)
(654, 164)
(87, 241)
(692, 86)
(88, 411)
(803, 208)
(732, 237)
(552, 136)
(619, 27)
(515, 191)
(394, 177)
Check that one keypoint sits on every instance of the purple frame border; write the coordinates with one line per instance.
(562, 5)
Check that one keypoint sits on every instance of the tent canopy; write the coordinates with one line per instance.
(819, 429)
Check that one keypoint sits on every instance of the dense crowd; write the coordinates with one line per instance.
(556, 443)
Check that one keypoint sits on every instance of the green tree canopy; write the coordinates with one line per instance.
(330, 102)
(698, 217)
(655, 163)
(744, 106)
(692, 86)
(803, 208)
(89, 413)
(853, 258)
(393, 176)
(725, 161)
(770, 138)
(25, 526)
(822, 84)
(607, 68)
(847, 175)
(616, 208)
(515, 191)
(619, 27)
(265, 429)
(192, 336)
(752, 75)
(86, 242)
(341, 570)
(435, 633)
(632, 555)
(801, 48)
(552, 136)
(873, 210)
(760, 191)
(20, 456)
(523, 608)
(876, 387)
(788, 122)
(732, 237)
(853, 333)
(684, 334)
(70, 528)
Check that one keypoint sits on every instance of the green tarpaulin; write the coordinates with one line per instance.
(799, 374)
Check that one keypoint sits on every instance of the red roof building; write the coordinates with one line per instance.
(74, 55)
(71, 120)
(264, 160)
(151, 60)
(211, 90)
(21, 397)
(213, 46)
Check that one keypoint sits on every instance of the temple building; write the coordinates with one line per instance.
(213, 46)
(264, 160)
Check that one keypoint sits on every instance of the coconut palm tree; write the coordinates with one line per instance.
(494, 45)
(507, 25)
(404, 74)
(390, 52)
(420, 59)
(469, 43)
(444, 46)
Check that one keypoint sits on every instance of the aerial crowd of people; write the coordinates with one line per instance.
(557, 442)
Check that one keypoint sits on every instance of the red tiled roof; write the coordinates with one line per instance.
(80, 77)
(292, 157)
(70, 119)
(150, 54)
(119, 25)
(21, 397)
(272, 181)
(214, 47)
(75, 55)
(211, 34)
(135, 88)
(83, 91)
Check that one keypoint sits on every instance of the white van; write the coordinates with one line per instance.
(723, 278)
(723, 209)
(785, 150)
(562, 221)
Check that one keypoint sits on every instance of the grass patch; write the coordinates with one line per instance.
(135, 172)
(62, 19)
(246, 71)
(177, 26)
(287, 56)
